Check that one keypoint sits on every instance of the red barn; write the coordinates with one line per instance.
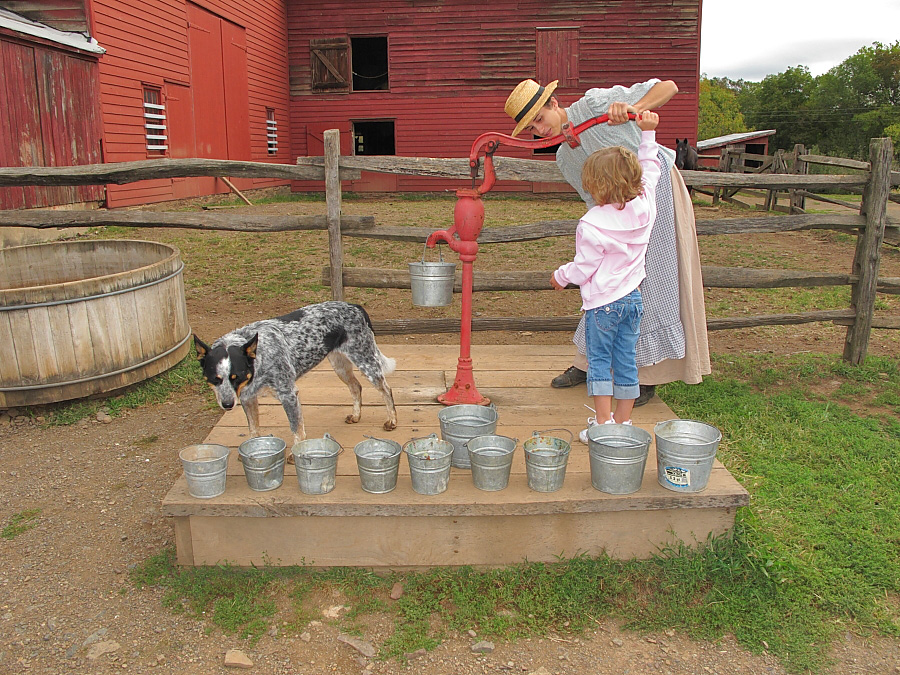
(191, 79)
(178, 79)
(262, 79)
(48, 104)
(426, 78)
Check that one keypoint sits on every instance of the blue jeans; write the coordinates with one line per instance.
(612, 333)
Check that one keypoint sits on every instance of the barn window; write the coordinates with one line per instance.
(373, 137)
(341, 65)
(329, 62)
(271, 131)
(155, 121)
(369, 56)
(556, 55)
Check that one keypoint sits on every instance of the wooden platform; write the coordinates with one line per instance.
(464, 525)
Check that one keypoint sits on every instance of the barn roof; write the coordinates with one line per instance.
(734, 138)
(19, 24)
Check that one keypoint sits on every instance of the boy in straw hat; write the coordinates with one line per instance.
(673, 343)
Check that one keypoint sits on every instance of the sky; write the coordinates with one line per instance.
(818, 34)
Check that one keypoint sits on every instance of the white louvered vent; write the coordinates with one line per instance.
(155, 122)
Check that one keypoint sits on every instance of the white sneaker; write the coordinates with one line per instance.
(582, 436)
(592, 422)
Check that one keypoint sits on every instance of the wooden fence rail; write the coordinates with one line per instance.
(869, 224)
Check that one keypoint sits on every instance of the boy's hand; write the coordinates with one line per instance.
(555, 283)
(648, 121)
(618, 112)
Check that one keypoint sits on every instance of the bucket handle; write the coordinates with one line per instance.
(439, 250)
(420, 438)
(332, 438)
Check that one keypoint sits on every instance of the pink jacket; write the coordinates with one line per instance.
(610, 245)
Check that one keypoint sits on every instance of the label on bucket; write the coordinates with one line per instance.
(677, 476)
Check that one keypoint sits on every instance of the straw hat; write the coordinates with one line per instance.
(525, 100)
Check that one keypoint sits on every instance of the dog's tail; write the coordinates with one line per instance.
(388, 365)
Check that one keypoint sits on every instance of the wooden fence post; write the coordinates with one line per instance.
(777, 167)
(868, 249)
(724, 161)
(798, 202)
(332, 139)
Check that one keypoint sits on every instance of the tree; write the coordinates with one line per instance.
(859, 99)
(782, 102)
(720, 113)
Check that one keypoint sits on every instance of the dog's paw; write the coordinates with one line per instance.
(352, 419)
(390, 425)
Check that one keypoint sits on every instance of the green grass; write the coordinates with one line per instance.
(186, 374)
(20, 522)
(815, 554)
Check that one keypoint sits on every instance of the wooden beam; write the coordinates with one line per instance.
(882, 322)
(778, 319)
(236, 191)
(148, 169)
(569, 323)
(236, 222)
(867, 259)
(332, 139)
(529, 280)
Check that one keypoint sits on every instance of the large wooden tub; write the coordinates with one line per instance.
(83, 317)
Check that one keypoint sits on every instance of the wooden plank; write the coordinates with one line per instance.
(469, 526)
(836, 161)
(778, 319)
(42, 338)
(119, 173)
(539, 280)
(46, 218)
(377, 542)
(461, 498)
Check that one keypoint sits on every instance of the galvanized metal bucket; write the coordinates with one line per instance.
(263, 461)
(316, 462)
(618, 457)
(546, 458)
(378, 461)
(429, 464)
(491, 460)
(685, 451)
(205, 468)
(461, 423)
(432, 282)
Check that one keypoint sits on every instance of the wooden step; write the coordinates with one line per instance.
(463, 525)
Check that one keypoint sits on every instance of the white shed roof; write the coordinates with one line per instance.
(733, 138)
(20, 24)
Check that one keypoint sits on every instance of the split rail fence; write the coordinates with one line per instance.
(874, 182)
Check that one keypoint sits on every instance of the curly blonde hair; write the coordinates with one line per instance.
(612, 176)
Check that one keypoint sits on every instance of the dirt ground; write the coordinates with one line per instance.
(66, 604)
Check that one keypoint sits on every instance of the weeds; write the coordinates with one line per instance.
(157, 389)
(20, 522)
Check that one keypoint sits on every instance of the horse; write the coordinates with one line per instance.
(685, 155)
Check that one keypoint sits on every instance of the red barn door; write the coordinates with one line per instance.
(218, 58)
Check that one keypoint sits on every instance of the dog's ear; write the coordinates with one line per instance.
(202, 349)
(250, 346)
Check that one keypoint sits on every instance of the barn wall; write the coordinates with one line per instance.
(148, 43)
(50, 118)
(453, 63)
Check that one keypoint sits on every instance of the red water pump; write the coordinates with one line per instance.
(468, 219)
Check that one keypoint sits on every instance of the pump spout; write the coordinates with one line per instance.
(440, 235)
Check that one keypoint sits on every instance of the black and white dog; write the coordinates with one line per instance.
(274, 353)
